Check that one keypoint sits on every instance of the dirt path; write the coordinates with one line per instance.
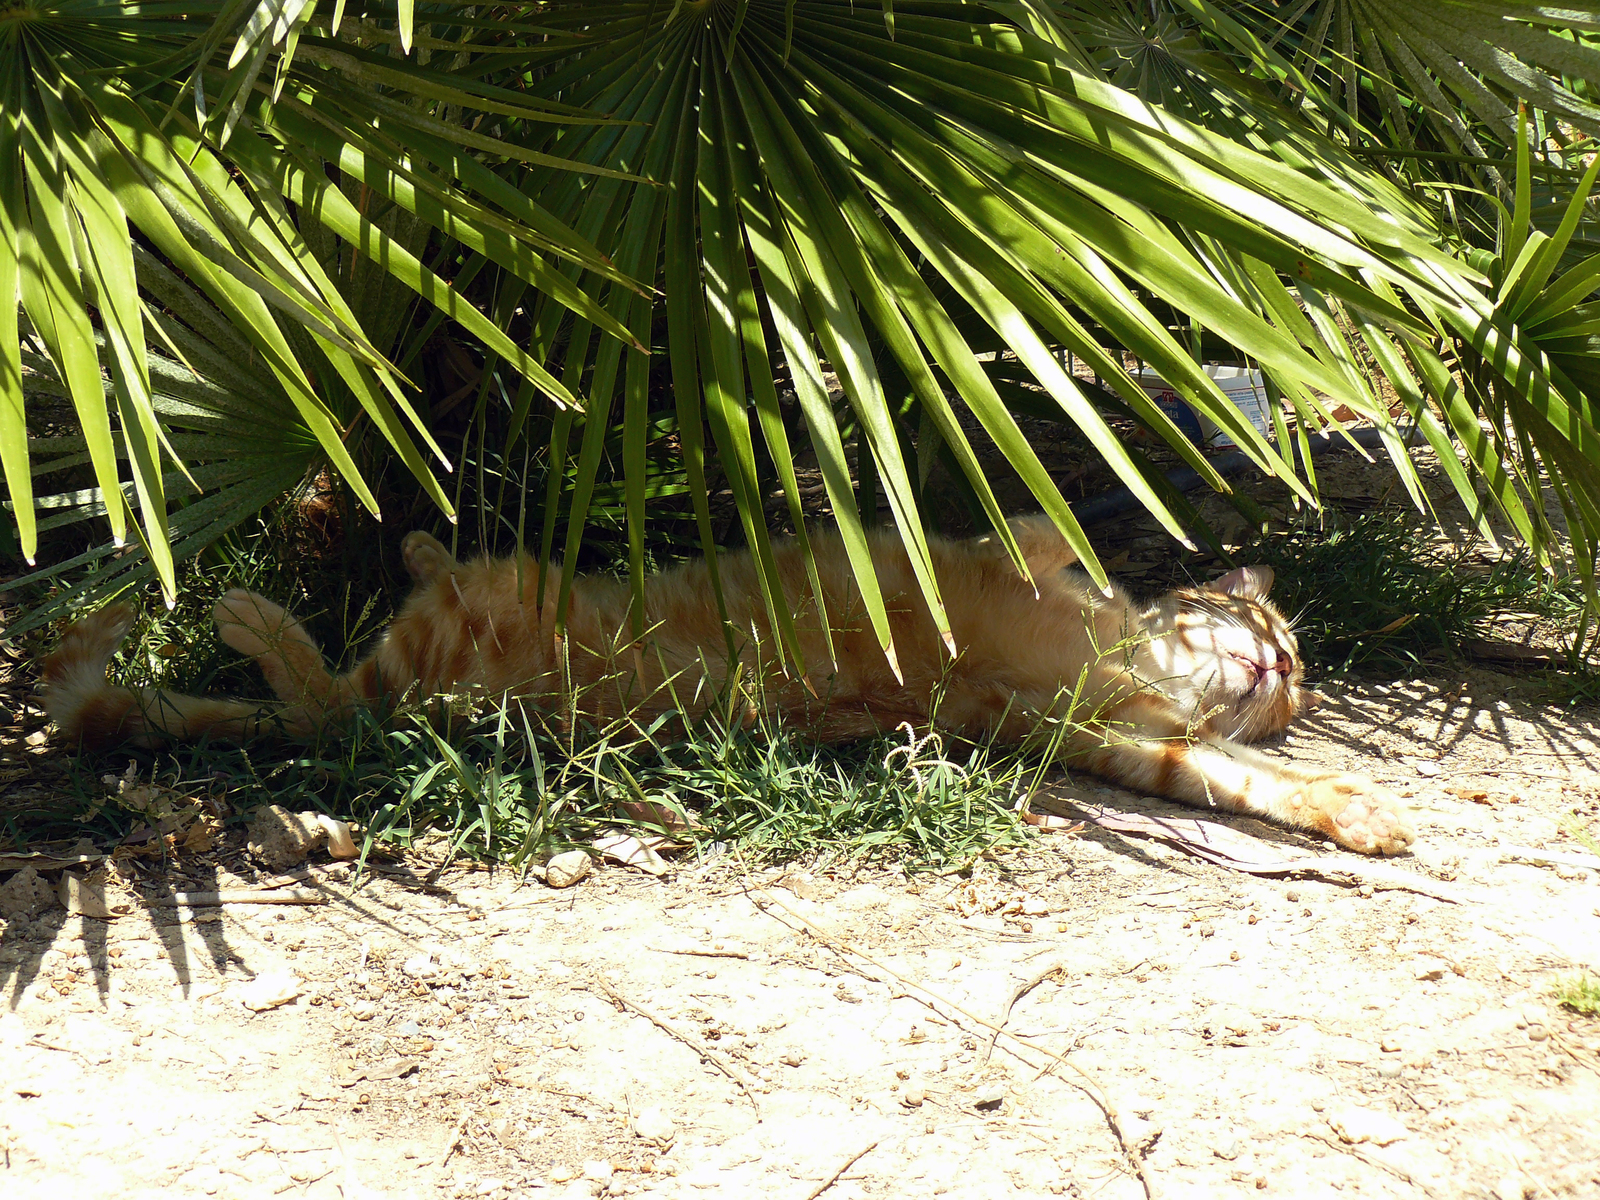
(789, 1035)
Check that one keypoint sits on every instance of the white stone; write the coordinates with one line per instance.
(654, 1125)
(269, 990)
(564, 870)
(1355, 1125)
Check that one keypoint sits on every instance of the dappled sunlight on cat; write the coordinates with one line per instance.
(1157, 697)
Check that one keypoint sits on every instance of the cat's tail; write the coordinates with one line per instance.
(88, 709)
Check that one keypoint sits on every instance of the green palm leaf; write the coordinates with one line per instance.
(97, 152)
(843, 180)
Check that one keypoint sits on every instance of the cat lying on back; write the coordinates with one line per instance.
(1165, 694)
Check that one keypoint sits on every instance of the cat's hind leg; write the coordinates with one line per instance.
(88, 709)
(1043, 548)
(285, 652)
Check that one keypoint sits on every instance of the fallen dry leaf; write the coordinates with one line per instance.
(87, 896)
(631, 851)
(394, 1069)
(657, 814)
(42, 861)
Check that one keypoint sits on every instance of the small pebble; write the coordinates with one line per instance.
(1229, 1150)
(1391, 1069)
(1537, 1033)
(990, 1095)
(1355, 1125)
(913, 1097)
(653, 1125)
(564, 870)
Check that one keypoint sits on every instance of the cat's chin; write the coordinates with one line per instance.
(1256, 715)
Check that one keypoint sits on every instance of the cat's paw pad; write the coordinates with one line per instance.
(425, 556)
(251, 624)
(1365, 816)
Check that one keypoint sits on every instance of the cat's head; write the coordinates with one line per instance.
(1228, 655)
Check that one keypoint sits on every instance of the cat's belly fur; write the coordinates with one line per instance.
(1016, 650)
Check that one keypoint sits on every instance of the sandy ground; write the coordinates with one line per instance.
(795, 1034)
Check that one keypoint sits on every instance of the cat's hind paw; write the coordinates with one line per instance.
(254, 625)
(425, 556)
(1363, 816)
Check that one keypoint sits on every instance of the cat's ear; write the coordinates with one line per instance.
(1249, 583)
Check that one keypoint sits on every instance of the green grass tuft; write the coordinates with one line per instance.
(1580, 993)
(504, 785)
(1375, 589)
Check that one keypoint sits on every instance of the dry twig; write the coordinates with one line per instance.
(284, 895)
(835, 1177)
(698, 953)
(1131, 1150)
(1356, 1152)
(1057, 969)
(625, 1005)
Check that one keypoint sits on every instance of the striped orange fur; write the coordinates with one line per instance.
(1159, 698)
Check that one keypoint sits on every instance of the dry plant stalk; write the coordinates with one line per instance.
(626, 1005)
(1016, 1046)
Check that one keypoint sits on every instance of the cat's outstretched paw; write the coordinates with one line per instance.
(425, 556)
(1362, 815)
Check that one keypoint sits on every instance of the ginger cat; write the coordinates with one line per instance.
(1165, 694)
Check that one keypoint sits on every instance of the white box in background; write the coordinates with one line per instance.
(1245, 388)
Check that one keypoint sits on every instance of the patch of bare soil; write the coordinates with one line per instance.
(1097, 1016)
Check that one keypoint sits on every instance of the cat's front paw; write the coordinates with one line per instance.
(1363, 816)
